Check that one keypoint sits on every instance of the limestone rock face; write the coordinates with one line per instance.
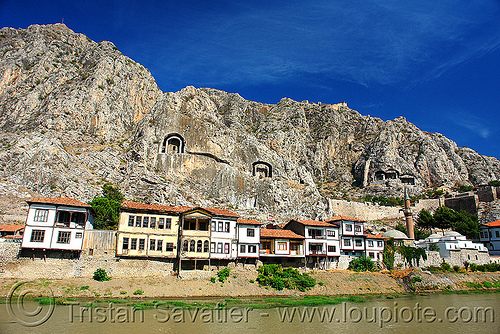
(75, 113)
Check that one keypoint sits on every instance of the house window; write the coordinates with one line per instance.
(227, 227)
(125, 243)
(242, 248)
(331, 249)
(138, 221)
(282, 246)
(168, 223)
(159, 245)
(169, 247)
(78, 235)
(185, 246)
(372, 255)
(205, 246)
(250, 232)
(152, 244)
(330, 233)
(348, 228)
(63, 237)
(41, 215)
(370, 243)
(358, 243)
(199, 246)
(252, 249)
(131, 221)
(379, 243)
(226, 248)
(37, 235)
(192, 246)
(161, 223)
(219, 247)
(145, 222)
(212, 226)
(142, 243)
(347, 242)
(357, 228)
(152, 222)
(212, 247)
(220, 226)
(497, 234)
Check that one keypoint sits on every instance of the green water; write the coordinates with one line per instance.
(471, 313)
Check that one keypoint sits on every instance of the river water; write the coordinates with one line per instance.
(468, 313)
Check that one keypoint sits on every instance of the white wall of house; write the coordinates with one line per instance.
(223, 234)
(490, 237)
(248, 240)
(374, 249)
(42, 230)
(281, 246)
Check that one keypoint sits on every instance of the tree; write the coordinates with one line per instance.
(425, 220)
(419, 233)
(444, 217)
(466, 224)
(107, 207)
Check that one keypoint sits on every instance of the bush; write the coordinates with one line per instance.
(362, 264)
(415, 279)
(434, 247)
(223, 274)
(445, 266)
(212, 279)
(279, 278)
(138, 292)
(100, 275)
(473, 267)
(456, 268)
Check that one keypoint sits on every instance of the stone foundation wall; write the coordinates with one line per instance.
(455, 259)
(8, 253)
(61, 265)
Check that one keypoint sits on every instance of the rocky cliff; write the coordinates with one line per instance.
(75, 113)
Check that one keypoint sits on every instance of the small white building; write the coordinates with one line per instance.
(248, 233)
(489, 235)
(450, 242)
(374, 246)
(56, 223)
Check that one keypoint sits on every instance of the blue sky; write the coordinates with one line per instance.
(435, 62)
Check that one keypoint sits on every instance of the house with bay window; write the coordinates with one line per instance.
(223, 235)
(489, 235)
(57, 223)
(248, 233)
(281, 246)
(321, 241)
(374, 246)
(148, 230)
(352, 240)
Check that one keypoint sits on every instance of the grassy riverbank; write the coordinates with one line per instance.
(333, 287)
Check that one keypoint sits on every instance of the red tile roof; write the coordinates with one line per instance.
(338, 218)
(11, 228)
(221, 212)
(153, 207)
(273, 233)
(248, 222)
(373, 236)
(493, 224)
(312, 222)
(59, 201)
